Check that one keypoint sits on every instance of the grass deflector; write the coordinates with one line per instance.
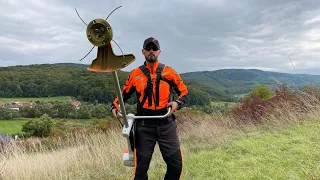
(99, 33)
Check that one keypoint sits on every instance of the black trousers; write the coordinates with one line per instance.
(163, 131)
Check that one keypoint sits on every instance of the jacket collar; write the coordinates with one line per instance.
(153, 67)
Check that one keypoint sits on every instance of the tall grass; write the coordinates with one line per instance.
(98, 155)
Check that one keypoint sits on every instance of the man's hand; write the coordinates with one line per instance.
(174, 106)
(115, 112)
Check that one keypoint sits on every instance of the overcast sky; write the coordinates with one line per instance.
(194, 35)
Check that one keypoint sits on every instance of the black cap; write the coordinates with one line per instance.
(151, 40)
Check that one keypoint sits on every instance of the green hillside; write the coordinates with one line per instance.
(52, 80)
(67, 79)
(240, 81)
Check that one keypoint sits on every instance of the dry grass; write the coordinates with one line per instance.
(91, 156)
(99, 155)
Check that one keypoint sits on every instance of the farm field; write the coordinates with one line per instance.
(42, 99)
(222, 104)
(11, 127)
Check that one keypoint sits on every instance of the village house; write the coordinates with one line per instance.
(17, 105)
(76, 104)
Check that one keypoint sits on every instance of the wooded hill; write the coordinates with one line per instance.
(242, 81)
(74, 80)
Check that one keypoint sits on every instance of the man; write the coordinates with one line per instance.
(153, 82)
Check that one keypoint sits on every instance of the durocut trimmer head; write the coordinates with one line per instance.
(99, 33)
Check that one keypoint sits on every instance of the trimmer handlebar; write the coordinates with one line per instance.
(145, 117)
(128, 157)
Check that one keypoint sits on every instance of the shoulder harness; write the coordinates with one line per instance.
(148, 91)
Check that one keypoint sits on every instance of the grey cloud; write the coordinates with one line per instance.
(194, 35)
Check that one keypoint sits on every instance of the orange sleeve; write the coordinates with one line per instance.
(127, 91)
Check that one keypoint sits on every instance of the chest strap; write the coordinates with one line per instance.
(148, 91)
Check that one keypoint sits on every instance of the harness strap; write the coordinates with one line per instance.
(148, 91)
(159, 71)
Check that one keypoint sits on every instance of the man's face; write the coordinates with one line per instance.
(151, 52)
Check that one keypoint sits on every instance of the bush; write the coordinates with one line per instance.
(262, 91)
(198, 97)
(249, 110)
(83, 113)
(7, 114)
(39, 127)
(100, 111)
(30, 112)
(252, 107)
(215, 109)
(255, 110)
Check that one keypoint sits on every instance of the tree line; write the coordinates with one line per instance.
(49, 80)
(59, 110)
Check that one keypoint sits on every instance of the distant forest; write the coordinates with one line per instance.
(49, 80)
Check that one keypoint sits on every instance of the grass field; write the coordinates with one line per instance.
(11, 126)
(42, 99)
(222, 104)
(285, 144)
(293, 153)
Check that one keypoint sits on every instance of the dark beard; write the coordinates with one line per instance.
(151, 59)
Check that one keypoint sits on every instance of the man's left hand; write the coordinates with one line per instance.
(174, 106)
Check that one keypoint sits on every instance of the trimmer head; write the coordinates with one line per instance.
(99, 33)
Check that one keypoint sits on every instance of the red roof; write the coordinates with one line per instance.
(24, 103)
(75, 103)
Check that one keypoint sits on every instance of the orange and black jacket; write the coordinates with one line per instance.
(152, 95)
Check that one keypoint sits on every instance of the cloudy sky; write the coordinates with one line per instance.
(194, 35)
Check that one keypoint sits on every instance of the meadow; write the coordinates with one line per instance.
(42, 99)
(14, 127)
(11, 127)
(280, 143)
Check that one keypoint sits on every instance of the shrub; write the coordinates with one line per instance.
(198, 97)
(30, 112)
(83, 113)
(255, 110)
(249, 110)
(262, 91)
(7, 114)
(39, 127)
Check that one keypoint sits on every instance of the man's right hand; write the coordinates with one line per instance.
(115, 112)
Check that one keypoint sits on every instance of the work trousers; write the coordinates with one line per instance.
(163, 131)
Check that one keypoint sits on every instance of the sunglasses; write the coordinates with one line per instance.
(154, 48)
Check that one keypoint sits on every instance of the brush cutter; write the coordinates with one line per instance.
(99, 33)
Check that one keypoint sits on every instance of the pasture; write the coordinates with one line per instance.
(11, 127)
(41, 99)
